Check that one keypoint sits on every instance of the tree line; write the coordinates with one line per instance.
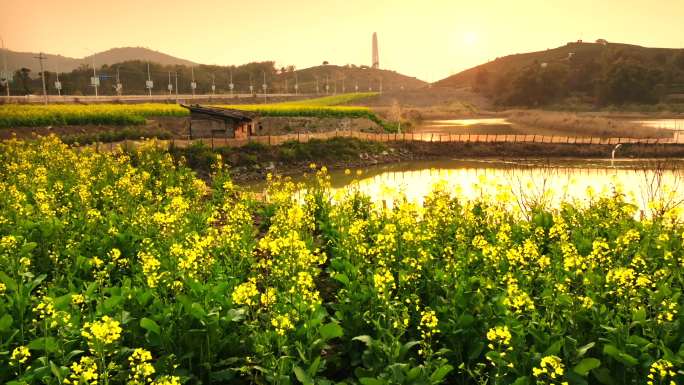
(618, 76)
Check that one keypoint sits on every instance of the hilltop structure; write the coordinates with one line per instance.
(376, 56)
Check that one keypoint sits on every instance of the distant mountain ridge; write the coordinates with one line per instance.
(577, 52)
(17, 60)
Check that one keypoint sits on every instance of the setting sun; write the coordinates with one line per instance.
(470, 38)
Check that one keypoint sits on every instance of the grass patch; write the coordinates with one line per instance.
(200, 156)
(127, 133)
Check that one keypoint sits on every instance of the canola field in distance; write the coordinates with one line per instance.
(125, 268)
(19, 115)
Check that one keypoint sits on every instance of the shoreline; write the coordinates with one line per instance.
(415, 151)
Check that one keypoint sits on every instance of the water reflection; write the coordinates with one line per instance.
(667, 124)
(563, 180)
(467, 122)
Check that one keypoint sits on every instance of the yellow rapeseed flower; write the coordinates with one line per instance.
(20, 355)
(104, 332)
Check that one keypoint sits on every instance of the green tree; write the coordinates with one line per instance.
(24, 76)
(628, 81)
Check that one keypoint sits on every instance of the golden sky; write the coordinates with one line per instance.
(429, 39)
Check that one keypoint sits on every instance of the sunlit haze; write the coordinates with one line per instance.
(429, 40)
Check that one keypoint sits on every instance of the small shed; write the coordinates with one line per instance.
(221, 122)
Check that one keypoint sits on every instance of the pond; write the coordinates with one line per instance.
(502, 126)
(667, 124)
(559, 179)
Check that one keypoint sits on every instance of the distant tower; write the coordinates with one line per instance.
(376, 56)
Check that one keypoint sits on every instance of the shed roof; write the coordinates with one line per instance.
(224, 113)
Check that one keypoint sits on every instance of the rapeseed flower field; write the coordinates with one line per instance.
(126, 268)
(21, 115)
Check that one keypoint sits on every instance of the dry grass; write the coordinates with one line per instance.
(572, 124)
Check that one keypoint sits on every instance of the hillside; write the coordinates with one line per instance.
(608, 72)
(118, 55)
(17, 60)
(347, 77)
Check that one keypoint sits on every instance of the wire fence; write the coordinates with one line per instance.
(274, 140)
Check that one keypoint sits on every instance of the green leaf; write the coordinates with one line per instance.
(197, 311)
(9, 282)
(368, 340)
(222, 376)
(302, 376)
(342, 278)
(58, 372)
(111, 303)
(235, 315)
(440, 373)
(638, 341)
(603, 376)
(639, 315)
(407, 346)
(554, 349)
(6, 323)
(150, 326)
(413, 373)
(48, 344)
(582, 350)
(521, 381)
(371, 381)
(586, 365)
(619, 355)
(331, 330)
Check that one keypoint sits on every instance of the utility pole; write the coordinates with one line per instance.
(327, 86)
(264, 85)
(251, 85)
(176, 84)
(58, 84)
(95, 81)
(40, 58)
(296, 84)
(213, 84)
(231, 85)
(118, 87)
(170, 87)
(149, 83)
(193, 85)
(6, 75)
